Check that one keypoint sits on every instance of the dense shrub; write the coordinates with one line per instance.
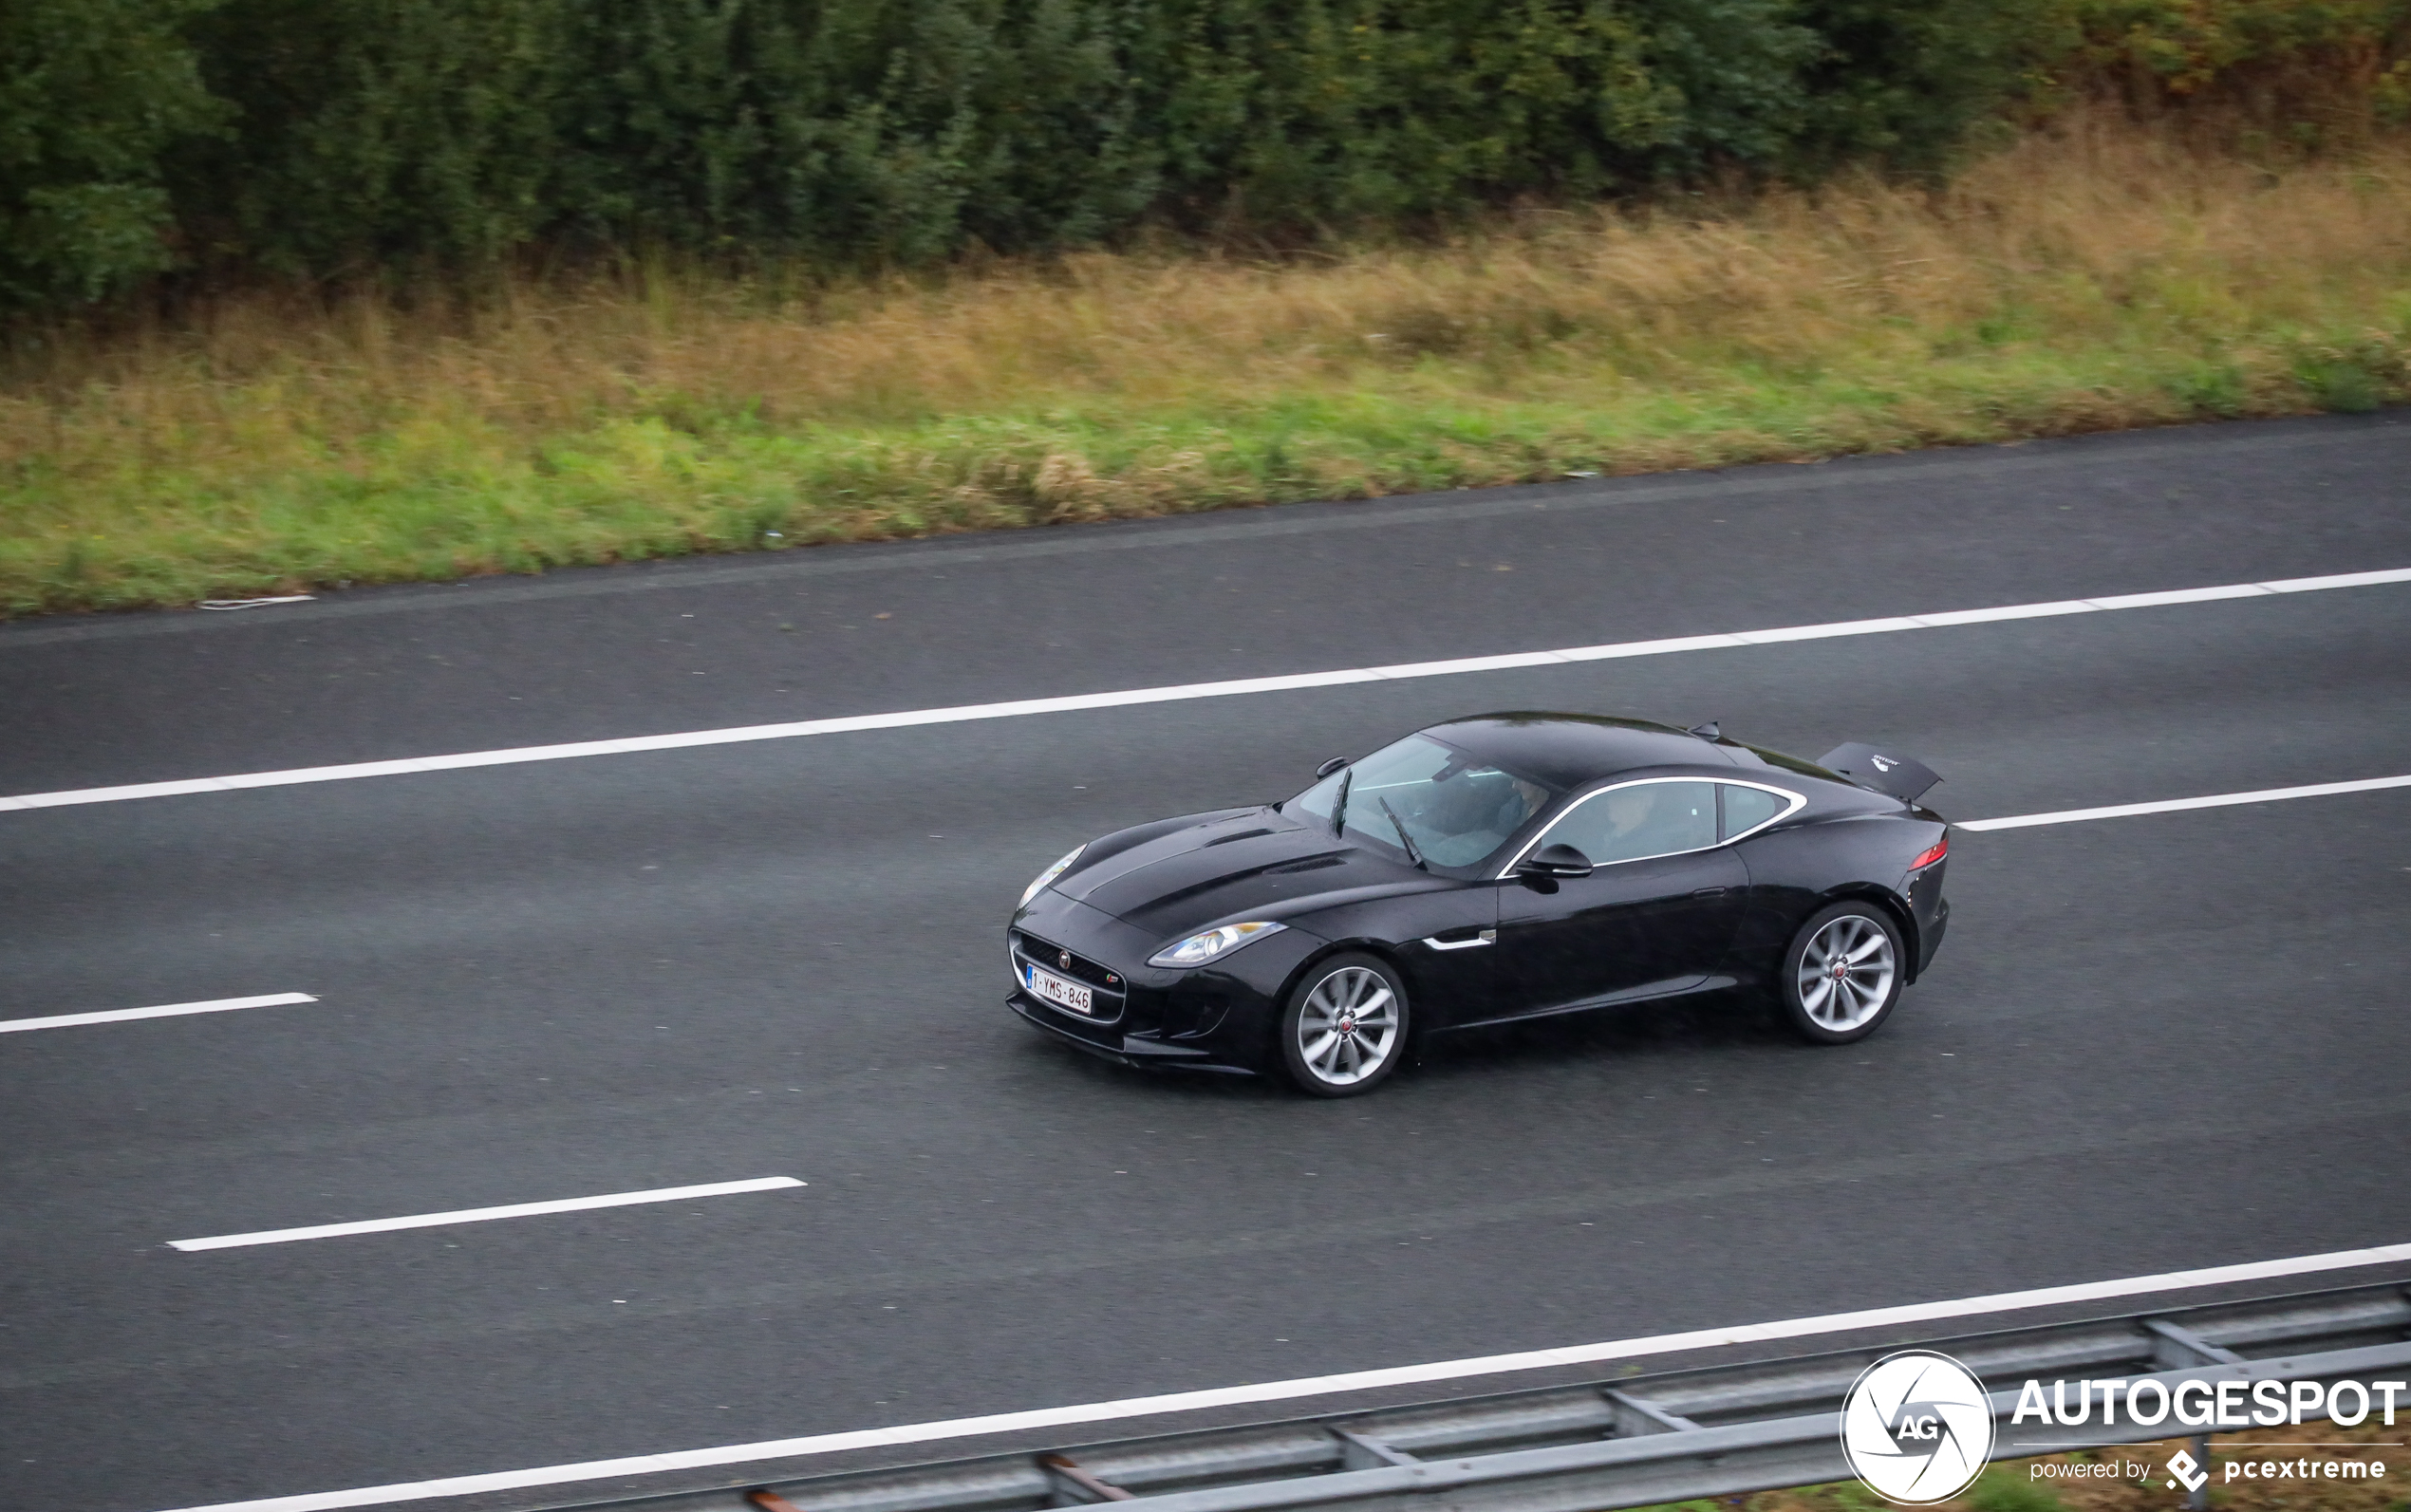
(91, 93)
(339, 137)
(1285, 113)
(2305, 72)
(371, 130)
(898, 130)
(1902, 83)
(884, 130)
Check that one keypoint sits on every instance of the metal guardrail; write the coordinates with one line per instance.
(1629, 1442)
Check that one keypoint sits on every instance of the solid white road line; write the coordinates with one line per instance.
(1021, 707)
(479, 1215)
(118, 1015)
(2215, 801)
(910, 1433)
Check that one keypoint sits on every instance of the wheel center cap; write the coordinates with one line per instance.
(1840, 969)
(1347, 1025)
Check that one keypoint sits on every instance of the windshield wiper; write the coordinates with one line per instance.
(1400, 825)
(1340, 809)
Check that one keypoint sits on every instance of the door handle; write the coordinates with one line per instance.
(1488, 937)
(1710, 892)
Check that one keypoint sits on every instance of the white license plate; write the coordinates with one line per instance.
(1072, 994)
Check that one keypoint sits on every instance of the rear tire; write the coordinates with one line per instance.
(1344, 1029)
(1843, 973)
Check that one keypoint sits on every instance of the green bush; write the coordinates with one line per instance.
(850, 132)
(1336, 111)
(1902, 81)
(374, 132)
(344, 136)
(91, 93)
(2299, 73)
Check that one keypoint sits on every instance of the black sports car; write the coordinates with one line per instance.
(1484, 869)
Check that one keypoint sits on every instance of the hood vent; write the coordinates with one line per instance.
(1310, 863)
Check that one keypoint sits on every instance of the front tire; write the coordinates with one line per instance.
(1344, 1029)
(1841, 974)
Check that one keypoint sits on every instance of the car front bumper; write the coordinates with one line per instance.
(1217, 1018)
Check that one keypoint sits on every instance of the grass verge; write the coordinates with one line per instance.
(2086, 278)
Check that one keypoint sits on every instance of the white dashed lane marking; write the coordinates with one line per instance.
(173, 1010)
(1023, 707)
(480, 1215)
(2215, 801)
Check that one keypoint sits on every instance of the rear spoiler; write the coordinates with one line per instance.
(1899, 777)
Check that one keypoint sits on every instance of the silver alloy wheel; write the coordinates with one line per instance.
(1348, 1026)
(1845, 973)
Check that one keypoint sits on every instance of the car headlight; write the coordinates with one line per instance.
(1050, 874)
(1198, 949)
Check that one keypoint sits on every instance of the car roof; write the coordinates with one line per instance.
(1567, 750)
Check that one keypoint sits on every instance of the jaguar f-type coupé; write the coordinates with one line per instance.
(1503, 866)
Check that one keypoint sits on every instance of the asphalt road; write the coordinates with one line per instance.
(2149, 1044)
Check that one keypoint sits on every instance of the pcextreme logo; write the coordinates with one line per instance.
(2185, 1472)
(1917, 1428)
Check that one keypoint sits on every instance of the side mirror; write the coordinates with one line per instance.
(1559, 860)
(1329, 767)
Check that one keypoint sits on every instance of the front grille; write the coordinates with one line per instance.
(1080, 968)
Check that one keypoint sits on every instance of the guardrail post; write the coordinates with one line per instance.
(1076, 1486)
(1357, 1452)
(2174, 1347)
(1636, 1415)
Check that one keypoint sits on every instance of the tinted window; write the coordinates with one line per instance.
(1647, 820)
(1459, 811)
(1748, 808)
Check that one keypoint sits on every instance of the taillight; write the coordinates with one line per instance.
(1937, 851)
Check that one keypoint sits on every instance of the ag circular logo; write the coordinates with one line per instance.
(1917, 1428)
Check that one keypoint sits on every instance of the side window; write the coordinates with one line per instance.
(1748, 808)
(1647, 819)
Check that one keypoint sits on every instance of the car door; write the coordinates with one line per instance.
(1446, 941)
(1656, 913)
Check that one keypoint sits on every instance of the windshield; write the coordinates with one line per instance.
(1458, 811)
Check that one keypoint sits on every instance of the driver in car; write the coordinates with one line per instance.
(1470, 812)
(1646, 821)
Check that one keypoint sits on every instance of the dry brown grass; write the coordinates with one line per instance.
(2089, 277)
